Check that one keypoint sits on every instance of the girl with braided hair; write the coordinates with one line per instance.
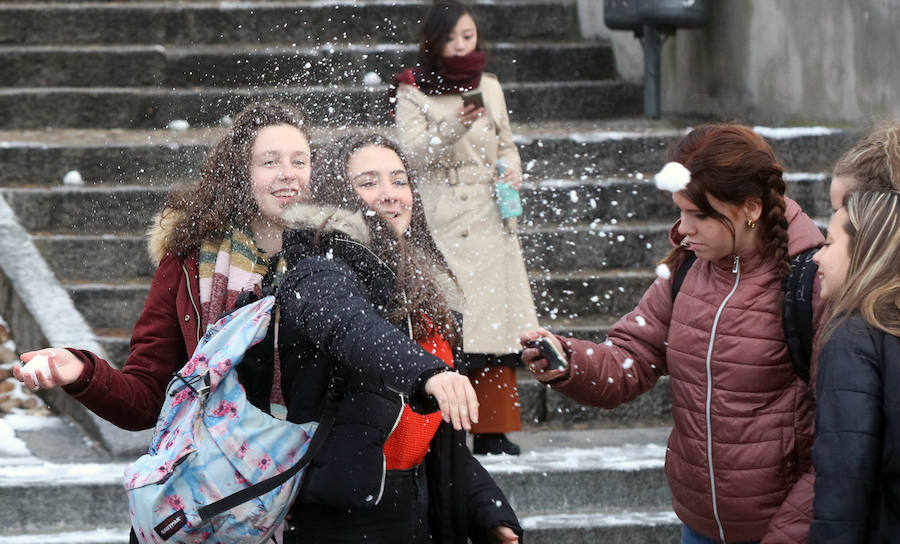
(742, 416)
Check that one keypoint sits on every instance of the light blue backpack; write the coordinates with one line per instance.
(219, 469)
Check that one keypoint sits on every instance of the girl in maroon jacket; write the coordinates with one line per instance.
(214, 240)
(742, 417)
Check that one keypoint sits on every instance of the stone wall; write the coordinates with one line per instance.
(775, 62)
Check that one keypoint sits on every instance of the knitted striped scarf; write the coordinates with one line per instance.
(228, 267)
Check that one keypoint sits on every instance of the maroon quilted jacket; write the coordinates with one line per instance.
(743, 425)
(166, 333)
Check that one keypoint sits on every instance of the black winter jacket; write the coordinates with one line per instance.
(857, 449)
(334, 300)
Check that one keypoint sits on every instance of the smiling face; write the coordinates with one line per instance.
(834, 257)
(279, 169)
(379, 178)
(463, 39)
(708, 237)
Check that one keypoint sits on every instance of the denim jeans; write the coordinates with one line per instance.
(690, 536)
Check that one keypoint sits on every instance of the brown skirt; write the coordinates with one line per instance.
(499, 410)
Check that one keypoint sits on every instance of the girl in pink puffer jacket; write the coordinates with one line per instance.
(742, 417)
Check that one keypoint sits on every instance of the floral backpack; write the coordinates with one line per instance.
(219, 469)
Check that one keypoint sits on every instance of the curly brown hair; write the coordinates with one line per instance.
(223, 196)
(414, 257)
(733, 164)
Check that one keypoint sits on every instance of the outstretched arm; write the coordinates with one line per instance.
(323, 303)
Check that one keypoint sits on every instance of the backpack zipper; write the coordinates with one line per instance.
(736, 270)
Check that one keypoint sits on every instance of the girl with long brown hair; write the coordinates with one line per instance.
(857, 488)
(362, 300)
(742, 416)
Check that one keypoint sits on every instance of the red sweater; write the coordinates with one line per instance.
(408, 444)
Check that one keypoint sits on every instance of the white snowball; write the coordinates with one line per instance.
(73, 177)
(663, 272)
(673, 177)
(38, 362)
(371, 79)
(178, 124)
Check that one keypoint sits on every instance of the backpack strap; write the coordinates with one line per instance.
(797, 311)
(682, 271)
(264, 486)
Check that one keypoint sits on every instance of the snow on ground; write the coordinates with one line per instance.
(784, 133)
(627, 457)
(97, 536)
(43, 473)
(10, 446)
(596, 520)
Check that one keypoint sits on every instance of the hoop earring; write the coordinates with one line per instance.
(751, 224)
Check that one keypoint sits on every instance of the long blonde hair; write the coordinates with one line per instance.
(872, 288)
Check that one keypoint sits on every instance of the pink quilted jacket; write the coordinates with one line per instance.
(743, 425)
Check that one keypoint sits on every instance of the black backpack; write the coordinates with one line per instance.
(796, 311)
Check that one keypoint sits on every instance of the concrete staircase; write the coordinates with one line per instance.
(91, 87)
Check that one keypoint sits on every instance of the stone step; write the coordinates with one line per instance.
(146, 107)
(643, 527)
(106, 210)
(564, 295)
(624, 148)
(594, 472)
(593, 205)
(123, 257)
(275, 66)
(287, 23)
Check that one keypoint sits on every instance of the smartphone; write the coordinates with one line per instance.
(556, 359)
(473, 97)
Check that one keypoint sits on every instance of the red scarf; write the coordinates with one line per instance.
(461, 74)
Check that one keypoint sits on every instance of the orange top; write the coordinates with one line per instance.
(408, 444)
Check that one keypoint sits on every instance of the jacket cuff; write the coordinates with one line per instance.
(420, 401)
(83, 381)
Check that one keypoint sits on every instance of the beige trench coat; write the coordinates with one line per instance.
(455, 172)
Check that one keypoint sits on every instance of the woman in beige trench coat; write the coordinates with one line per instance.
(455, 150)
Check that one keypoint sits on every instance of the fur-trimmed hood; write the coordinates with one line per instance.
(329, 220)
(158, 241)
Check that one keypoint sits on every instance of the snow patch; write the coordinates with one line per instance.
(73, 177)
(783, 133)
(663, 271)
(628, 457)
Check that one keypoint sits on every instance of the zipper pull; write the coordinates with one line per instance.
(737, 264)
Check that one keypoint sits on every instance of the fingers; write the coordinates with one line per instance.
(504, 534)
(456, 399)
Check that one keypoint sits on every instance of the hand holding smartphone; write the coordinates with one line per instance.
(473, 98)
(555, 359)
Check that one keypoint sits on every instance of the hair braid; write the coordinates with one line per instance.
(776, 225)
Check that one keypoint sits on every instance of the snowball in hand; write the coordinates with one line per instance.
(673, 177)
(38, 362)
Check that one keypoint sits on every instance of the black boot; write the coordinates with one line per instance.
(494, 444)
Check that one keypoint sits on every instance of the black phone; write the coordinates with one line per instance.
(555, 359)
(473, 97)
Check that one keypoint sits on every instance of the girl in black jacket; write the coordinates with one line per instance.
(362, 320)
(856, 455)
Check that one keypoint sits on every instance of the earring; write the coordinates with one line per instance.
(750, 224)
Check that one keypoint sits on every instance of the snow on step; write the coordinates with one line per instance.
(96, 536)
(627, 457)
(588, 520)
(42, 473)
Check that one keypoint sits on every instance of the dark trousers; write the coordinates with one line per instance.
(400, 517)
